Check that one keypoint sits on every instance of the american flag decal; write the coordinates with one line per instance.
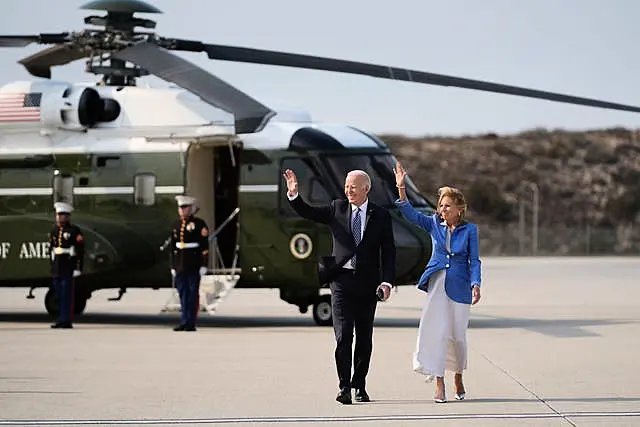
(19, 107)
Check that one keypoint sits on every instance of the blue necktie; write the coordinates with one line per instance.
(355, 230)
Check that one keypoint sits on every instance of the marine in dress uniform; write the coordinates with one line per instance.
(189, 259)
(67, 258)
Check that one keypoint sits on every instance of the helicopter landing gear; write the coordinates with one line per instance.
(305, 298)
(322, 311)
(30, 295)
(121, 292)
(52, 304)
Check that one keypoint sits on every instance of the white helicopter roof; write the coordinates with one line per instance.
(165, 115)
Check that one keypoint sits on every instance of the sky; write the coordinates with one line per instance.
(580, 47)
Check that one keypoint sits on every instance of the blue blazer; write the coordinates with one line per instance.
(462, 262)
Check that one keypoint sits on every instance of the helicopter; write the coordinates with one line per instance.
(120, 153)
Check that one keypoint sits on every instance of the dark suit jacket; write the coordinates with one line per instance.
(376, 252)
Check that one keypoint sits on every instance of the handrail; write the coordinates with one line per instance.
(224, 223)
(213, 235)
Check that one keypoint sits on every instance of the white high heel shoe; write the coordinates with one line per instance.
(460, 396)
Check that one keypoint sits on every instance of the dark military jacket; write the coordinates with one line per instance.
(189, 244)
(67, 250)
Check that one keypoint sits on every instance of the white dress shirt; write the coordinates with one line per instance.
(363, 219)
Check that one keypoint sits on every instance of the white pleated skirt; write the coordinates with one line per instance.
(442, 335)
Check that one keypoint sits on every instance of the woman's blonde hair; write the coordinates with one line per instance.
(455, 195)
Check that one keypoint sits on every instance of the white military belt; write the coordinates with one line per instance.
(189, 245)
(59, 251)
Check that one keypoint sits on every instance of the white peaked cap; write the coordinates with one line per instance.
(185, 200)
(62, 207)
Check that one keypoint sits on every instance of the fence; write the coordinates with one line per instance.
(528, 236)
(509, 239)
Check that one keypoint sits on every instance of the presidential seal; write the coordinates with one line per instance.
(300, 246)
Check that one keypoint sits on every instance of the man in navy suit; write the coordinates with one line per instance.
(363, 243)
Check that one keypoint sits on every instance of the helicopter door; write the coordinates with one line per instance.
(212, 177)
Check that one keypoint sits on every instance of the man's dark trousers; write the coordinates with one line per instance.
(63, 286)
(352, 308)
(188, 285)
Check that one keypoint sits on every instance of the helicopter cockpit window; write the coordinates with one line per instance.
(317, 192)
(63, 188)
(144, 189)
(380, 169)
(310, 185)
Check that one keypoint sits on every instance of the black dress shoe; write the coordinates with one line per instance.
(190, 328)
(362, 396)
(179, 328)
(344, 396)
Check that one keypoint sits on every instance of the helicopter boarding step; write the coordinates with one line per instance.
(214, 289)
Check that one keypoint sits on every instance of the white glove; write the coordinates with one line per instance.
(76, 273)
(203, 271)
(173, 272)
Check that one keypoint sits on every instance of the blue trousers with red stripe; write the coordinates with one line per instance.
(63, 287)
(188, 285)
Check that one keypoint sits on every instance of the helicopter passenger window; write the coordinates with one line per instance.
(63, 188)
(310, 184)
(144, 189)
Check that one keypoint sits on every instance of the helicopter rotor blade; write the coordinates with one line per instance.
(250, 115)
(39, 64)
(25, 40)
(267, 57)
(17, 41)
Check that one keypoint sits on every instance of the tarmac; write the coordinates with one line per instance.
(551, 343)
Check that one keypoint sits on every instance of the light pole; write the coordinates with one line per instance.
(536, 205)
(534, 222)
(521, 224)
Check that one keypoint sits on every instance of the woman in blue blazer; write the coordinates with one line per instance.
(451, 281)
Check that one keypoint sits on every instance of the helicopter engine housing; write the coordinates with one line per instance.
(74, 107)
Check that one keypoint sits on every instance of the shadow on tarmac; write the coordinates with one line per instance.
(559, 328)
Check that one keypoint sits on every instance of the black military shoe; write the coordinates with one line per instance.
(362, 396)
(62, 325)
(179, 328)
(344, 396)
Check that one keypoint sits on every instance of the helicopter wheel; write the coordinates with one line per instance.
(52, 303)
(322, 311)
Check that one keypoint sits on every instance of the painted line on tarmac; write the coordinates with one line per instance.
(531, 392)
(184, 421)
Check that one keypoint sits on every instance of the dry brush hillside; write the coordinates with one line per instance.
(589, 186)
